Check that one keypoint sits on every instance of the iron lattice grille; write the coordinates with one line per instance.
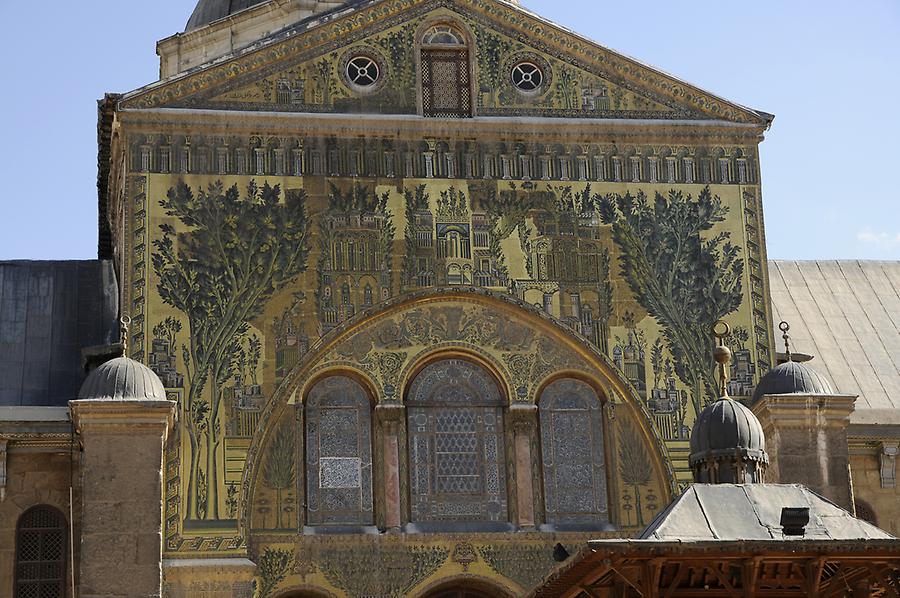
(446, 85)
(41, 554)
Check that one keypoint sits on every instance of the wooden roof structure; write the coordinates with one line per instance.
(727, 541)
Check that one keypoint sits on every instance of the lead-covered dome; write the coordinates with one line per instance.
(792, 377)
(122, 379)
(728, 438)
(208, 11)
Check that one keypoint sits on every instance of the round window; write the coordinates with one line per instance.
(527, 76)
(363, 71)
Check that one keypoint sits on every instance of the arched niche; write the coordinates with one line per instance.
(338, 453)
(455, 442)
(522, 346)
(573, 455)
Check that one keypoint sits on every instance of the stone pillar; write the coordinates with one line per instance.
(806, 438)
(391, 417)
(523, 419)
(122, 495)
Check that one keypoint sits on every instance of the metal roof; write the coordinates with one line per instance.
(731, 512)
(846, 314)
(49, 311)
(208, 11)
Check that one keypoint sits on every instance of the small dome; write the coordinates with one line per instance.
(728, 444)
(792, 377)
(123, 379)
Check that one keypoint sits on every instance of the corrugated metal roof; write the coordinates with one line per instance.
(731, 512)
(847, 315)
(49, 311)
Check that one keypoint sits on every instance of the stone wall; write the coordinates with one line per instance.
(876, 500)
(33, 478)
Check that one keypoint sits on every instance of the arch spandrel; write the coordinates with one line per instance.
(525, 347)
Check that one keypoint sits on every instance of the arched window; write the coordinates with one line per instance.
(41, 554)
(572, 450)
(456, 449)
(339, 453)
(446, 81)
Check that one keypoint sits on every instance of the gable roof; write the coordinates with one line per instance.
(330, 29)
(733, 512)
(847, 315)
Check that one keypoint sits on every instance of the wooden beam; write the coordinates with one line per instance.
(813, 575)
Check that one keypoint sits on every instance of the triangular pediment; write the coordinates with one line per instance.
(305, 69)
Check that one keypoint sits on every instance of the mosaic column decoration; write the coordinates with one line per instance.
(523, 419)
(391, 417)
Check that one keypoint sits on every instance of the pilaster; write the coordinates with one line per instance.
(390, 417)
(523, 421)
(122, 495)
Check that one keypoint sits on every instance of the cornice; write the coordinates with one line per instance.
(532, 129)
(122, 415)
(805, 411)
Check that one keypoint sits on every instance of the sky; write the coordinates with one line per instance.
(827, 69)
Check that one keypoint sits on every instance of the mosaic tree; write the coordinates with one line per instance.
(684, 276)
(231, 256)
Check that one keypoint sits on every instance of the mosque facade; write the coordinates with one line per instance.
(416, 292)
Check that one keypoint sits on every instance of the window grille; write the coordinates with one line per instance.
(41, 554)
(446, 85)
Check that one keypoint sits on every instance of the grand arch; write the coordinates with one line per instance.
(526, 354)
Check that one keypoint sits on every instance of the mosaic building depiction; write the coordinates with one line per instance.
(425, 292)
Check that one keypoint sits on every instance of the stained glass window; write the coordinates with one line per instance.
(41, 554)
(456, 449)
(573, 455)
(339, 453)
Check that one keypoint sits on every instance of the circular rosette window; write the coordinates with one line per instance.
(527, 77)
(363, 71)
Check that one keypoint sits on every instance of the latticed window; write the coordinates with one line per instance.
(446, 82)
(446, 87)
(339, 453)
(41, 554)
(573, 454)
(456, 456)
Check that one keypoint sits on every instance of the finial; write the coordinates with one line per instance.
(785, 328)
(721, 330)
(124, 323)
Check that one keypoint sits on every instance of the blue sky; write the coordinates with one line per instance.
(828, 70)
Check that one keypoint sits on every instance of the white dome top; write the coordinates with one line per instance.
(123, 379)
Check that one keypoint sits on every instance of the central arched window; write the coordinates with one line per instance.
(446, 80)
(41, 554)
(573, 454)
(456, 450)
(339, 453)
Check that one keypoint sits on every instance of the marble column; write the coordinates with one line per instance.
(390, 418)
(523, 421)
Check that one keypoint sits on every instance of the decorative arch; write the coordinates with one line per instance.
(40, 568)
(386, 343)
(465, 586)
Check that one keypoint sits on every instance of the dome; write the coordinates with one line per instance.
(792, 377)
(208, 11)
(123, 379)
(728, 444)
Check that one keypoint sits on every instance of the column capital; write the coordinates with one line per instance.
(390, 415)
